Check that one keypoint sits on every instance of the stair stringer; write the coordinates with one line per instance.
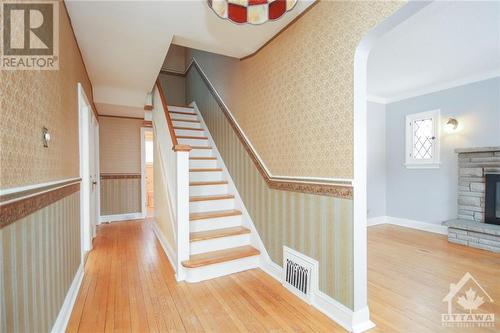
(265, 262)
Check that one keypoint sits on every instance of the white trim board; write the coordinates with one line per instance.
(69, 301)
(413, 224)
(35, 186)
(121, 217)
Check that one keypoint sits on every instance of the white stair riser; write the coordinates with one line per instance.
(200, 153)
(193, 142)
(219, 243)
(208, 189)
(225, 268)
(202, 164)
(185, 124)
(183, 116)
(180, 109)
(205, 176)
(215, 223)
(211, 205)
(189, 132)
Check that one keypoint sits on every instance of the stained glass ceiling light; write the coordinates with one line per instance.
(251, 11)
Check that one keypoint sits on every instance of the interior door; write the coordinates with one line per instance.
(93, 173)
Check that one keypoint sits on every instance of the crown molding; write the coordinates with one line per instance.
(435, 87)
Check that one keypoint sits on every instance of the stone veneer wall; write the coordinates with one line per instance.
(473, 166)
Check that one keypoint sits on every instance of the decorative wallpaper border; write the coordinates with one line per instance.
(333, 188)
(14, 207)
(120, 176)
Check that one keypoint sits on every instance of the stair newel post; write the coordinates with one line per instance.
(182, 155)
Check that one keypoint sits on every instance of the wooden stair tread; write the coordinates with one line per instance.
(191, 137)
(197, 198)
(185, 113)
(213, 214)
(188, 128)
(200, 147)
(203, 158)
(215, 257)
(205, 170)
(186, 120)
(221, 182)
(218, 233)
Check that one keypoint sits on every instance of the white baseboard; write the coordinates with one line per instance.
(376, 220)
(419, 225)
(356, 322)
(165, 246)
(121, 217)
(69, 301)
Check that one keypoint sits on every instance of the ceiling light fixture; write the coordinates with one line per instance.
(251, 11)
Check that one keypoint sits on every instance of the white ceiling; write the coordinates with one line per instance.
(447, 43)
(124, 43)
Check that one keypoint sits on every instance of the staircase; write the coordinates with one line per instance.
(220, 240)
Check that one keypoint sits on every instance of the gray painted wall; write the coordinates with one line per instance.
(376, 160)
(430, 195)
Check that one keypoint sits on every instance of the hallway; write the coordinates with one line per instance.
(130, 286)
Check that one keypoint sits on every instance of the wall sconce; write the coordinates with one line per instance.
(451, 125)
(45, 137)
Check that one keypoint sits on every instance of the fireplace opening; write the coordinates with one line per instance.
(492, 200)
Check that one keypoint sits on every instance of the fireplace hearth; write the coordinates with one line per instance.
(478, 222)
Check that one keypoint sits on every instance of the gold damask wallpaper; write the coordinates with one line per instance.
(30, 100)
(294, 98)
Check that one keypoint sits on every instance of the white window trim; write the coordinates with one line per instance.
(410, 162)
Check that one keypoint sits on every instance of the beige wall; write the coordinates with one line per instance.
(174, 88)
(294, 98)
(30, 100)
(120, 145)
(40, 256)
(164, 218)
(318, 226)
(176, 59)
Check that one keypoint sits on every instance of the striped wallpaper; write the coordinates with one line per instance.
(318, 226)
(41, 255)
(120, 196)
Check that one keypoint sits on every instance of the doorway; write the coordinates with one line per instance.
(89, 171)
(147, 171)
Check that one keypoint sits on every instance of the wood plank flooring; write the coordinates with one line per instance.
(409, 273)
(129, 286)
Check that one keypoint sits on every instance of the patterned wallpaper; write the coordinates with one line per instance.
(318, 226)
(120, 145)
(30, 100)
(294, 98)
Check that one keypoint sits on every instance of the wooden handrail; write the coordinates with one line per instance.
(175, 144)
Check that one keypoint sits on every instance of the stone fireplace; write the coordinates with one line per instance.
(475, 165)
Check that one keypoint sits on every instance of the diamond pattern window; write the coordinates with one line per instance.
(422, 140)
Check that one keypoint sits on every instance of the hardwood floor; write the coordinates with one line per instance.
(129, 286)
(409, 274)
